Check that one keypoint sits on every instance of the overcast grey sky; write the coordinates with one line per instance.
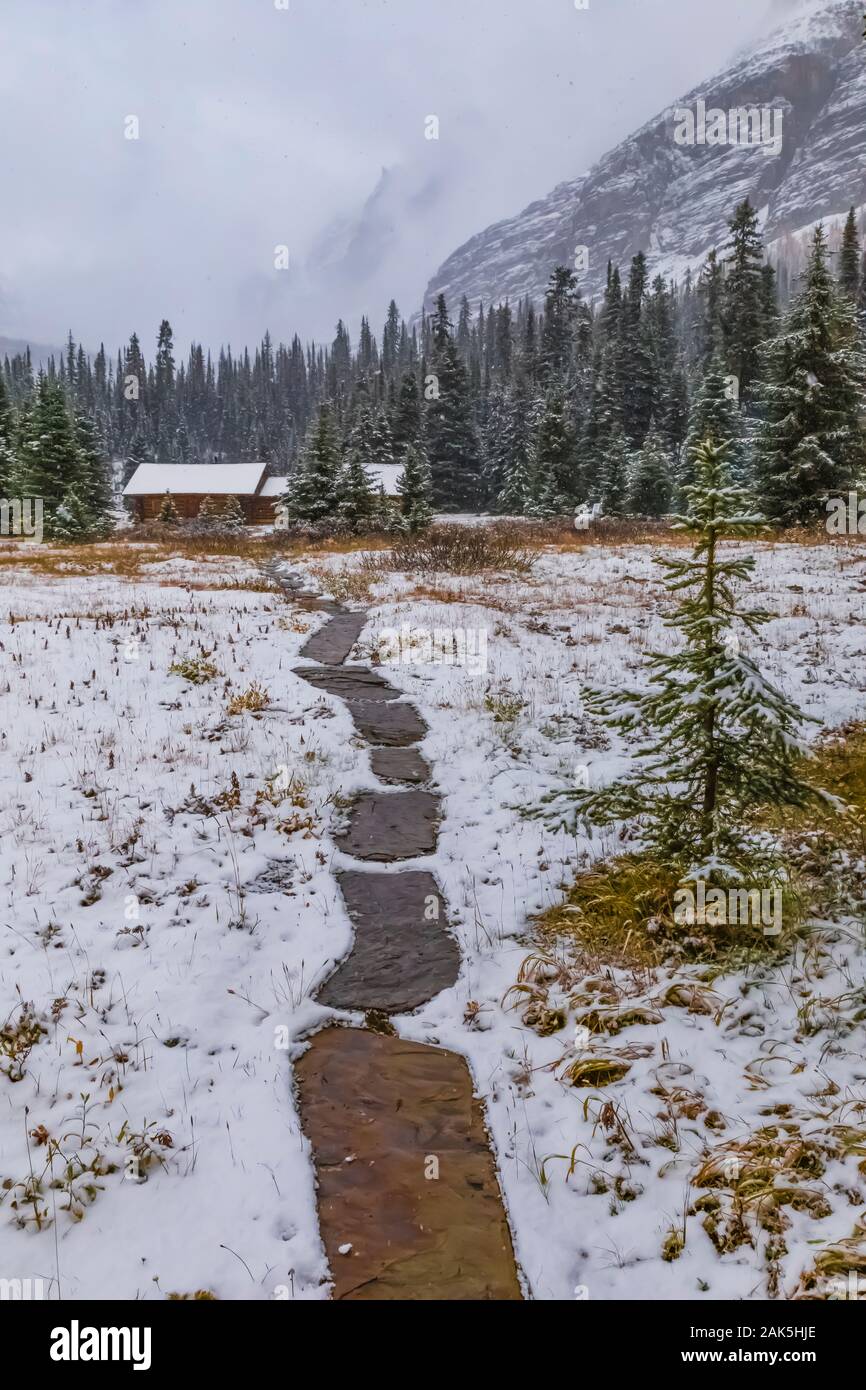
(263, 126)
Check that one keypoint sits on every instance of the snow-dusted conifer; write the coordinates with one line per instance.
(355, 497)
(810, 446)
(311, 494)
(73, 519)
(650, 483)
(716, 740)
(94, 482)
(518, 451)
(615, 472)
(715, 416)
(231, 516)
(555, 487)
(849, 258)
(415, 488)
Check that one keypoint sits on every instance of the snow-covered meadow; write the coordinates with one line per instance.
(169, 907)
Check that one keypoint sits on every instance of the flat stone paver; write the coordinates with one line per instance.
(333, 642)
(402, 954)
(394, 724)
(387, 826)
(399, 765)
(406, 1179)
(349, 682)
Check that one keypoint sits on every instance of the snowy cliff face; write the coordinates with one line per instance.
(671, 199)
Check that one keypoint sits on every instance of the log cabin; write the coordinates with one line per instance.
(190, 483)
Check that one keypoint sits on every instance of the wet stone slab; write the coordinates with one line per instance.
(394, 724)
(333, 642)
(399, 765)
(387, 826)
(349, 682)
(382, 1114)
(402, 955)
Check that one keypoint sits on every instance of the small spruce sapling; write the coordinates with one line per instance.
(716, 739)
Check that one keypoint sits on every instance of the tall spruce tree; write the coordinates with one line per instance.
(451, 439)
(495, 445)
(849, 259)
(769, 302)
(95, 478)
(558, 330)
(637, 362)
(708, 329)
(518, 444)
(555, 485)
(406, 423)
(811, 446)
(607, 408)
(164, 403)
(675, 410)
(311, 494)
(48, 461)
(743, 299)
(717, 739)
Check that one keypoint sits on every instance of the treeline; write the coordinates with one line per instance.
(518, 410)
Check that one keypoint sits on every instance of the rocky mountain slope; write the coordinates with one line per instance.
(672, 200)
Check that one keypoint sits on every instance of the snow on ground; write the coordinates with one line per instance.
(163, 929)
(158, 990)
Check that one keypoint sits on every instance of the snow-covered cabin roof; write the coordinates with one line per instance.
(387, 474)
(201, 479)
(273, 487)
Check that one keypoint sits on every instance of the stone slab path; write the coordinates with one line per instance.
(386, 826)
(396, 725)
(401, 956)
(405, 1175)
(333, 642)
(349, 682)
(409, 1199)
(399, 765)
